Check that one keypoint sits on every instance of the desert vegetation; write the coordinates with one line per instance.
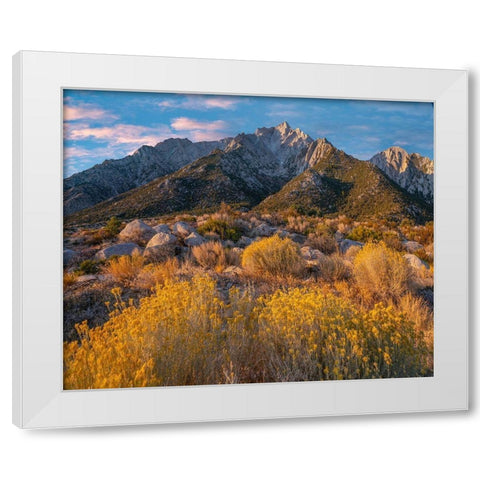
(241, 296)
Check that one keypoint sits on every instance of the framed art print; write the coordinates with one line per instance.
(199, 240)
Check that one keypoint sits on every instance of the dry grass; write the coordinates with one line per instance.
(325, 243)
(352, 252)
(125, 269)
(299, 225)
(333, 268)
(157, 274)
(381, 273)
(273, 256)
(212, 255)
(69, 279)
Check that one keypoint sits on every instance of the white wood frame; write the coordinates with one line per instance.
(38, 398)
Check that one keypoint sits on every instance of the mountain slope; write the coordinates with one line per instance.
(251, 167)
(113, 177)
(272, 169)
(338, 183)
(412, 172)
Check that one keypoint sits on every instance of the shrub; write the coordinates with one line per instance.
(88, 267)
(325, 243)
(392, 240)
(169, 339)
(273, 256)
(157, 274)
(310, 336)
(125, 269)
(95, 237)
(381, 273)
(225, 229)
(69, 279)
(352, 252)
(333, 268)
(112, 228)
(214, 255)
(364, 234)
(299, 225)
(185, 334)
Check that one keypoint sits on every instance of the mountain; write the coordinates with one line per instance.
(335, 182)
(272, 169)
(411, 171)
(248, 169)
(113, 177)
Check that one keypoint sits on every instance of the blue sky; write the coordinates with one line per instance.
(101, 125)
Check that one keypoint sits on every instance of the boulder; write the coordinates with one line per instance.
(182, 229)
(297, 237)
(86, 278)
(212, 236)
(346, 244)
(309, 253)
(136, 231)
(160, 239)
(415, 262)
(264, 230)
(233, 270)
(282, 233)
(160, 253)
(162, 228)
(119, 249)
(68, 256)
(412, 246)
(194, 239)
(244, 241)
(228, 243)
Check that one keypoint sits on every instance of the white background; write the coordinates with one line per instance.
(407, 33)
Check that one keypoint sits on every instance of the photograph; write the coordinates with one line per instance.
(231, 239)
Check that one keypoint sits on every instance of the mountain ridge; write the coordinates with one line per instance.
(114, 177)
(256, 170)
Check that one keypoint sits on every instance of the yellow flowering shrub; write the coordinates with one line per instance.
(273, 255)
(313, 336)
(185, 333)
(169, 339)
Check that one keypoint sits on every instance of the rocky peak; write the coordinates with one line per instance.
(283, 128)
(411, 171)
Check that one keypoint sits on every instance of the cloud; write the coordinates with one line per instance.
(202, 136)
(119, 134)
(361, 128)
(201, 102)
(199, 131)
(401, 143)
(220, 102)
(82, 112)
(185, 123)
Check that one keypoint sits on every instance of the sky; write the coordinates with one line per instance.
(100, 125)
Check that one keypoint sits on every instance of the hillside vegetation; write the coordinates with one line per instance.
(253, 298)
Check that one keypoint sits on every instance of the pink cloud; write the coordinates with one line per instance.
(204, 136)
(220, 102)
(81, 112)
(119, 134)
(184, 123)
